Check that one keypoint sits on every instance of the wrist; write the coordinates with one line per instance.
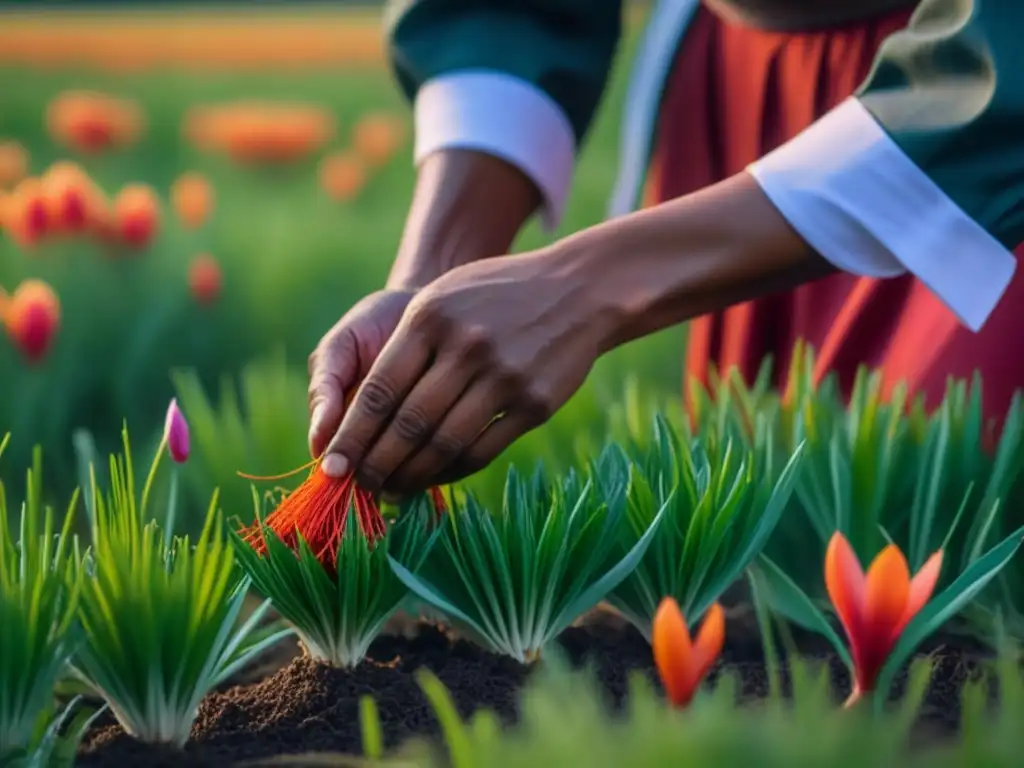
(466, 206)
(662, 266)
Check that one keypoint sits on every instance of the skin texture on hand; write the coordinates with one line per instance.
(501, 337)
(466, 206)
(344, 356)
(491, 350)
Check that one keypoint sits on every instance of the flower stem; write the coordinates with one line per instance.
(172, 509)
(854, 697)
(152, 476)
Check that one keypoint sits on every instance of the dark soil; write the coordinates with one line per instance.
(292, 705)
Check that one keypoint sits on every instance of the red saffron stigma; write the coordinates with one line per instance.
(318, 511)
(438, 500)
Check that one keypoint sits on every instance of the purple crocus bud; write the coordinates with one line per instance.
(176, 433)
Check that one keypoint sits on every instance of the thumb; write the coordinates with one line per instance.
(332, 369)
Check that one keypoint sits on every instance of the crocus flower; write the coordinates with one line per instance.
(205, 279)
(136, 215)
(192, 199)
(32, 318)
(377, 136)
(342, 175)
(176, 433)
(260, 132)
(13, 163)
(26, 214)
(682, 663)
(71, 198)
(92, 122)
(875, 608)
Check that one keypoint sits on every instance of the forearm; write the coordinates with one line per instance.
(466, 206)
(703, 252)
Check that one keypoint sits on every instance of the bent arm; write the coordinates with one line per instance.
(519, 81)
(923, 170)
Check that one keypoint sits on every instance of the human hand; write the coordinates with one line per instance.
(482, 355)
(344, 357)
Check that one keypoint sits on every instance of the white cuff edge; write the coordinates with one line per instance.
(862, 203)
(504, 116)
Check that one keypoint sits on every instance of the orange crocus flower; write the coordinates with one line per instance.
(32, 318)
(874, 608)
(205, 279)
(73, 200)
(13, 163)
(342, 175)
(377, 136)
(682, 663)
(136, 215)
(192, 198)
(26, 214)
(92, 122)
(260, 132)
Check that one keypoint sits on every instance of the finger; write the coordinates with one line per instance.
(332, 373)
(399, 366)
(464, 423)
(486, 448)
(416, 419)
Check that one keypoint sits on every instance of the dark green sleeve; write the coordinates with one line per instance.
(949, 90)
(564, 47)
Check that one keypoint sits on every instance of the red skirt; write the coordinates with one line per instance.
(735, 94)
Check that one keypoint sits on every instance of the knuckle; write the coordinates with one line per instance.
(476, 341)
(446, 446)
(513, 379)
(411, 424)
(322, 386)
(538, 404)
(429, 313)
(377, 397)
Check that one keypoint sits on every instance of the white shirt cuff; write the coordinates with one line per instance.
(859, 201)
(503, 116)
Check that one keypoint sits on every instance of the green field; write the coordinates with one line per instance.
(294, 260)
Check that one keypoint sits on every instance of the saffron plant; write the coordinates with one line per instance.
(38, 598)
(161, 615)
(885, 613)
(682, 660)
(340, 605)
(515, 578)
(720, 505)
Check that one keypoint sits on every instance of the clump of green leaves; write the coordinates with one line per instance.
(38, 599)
(337, 616)
(719, 507)
(160, 615)
(517, 577)
(879, 467)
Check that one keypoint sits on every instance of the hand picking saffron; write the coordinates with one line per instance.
(318, 512)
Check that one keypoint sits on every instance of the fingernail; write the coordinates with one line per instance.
(316, 418)
(335, 465)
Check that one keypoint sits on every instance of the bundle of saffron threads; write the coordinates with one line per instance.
(318, 510)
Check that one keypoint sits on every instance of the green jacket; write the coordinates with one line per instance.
(949, 90)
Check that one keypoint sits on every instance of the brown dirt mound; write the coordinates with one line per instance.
(308, 707)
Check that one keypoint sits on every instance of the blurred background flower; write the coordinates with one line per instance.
(202, 194)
